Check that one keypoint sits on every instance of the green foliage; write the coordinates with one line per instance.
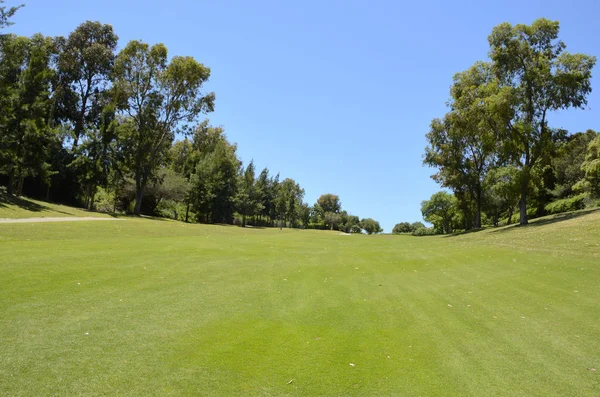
(591, 167)
(6, 14)
(85, 63)
(403, 227)
(25, 108)
(424, 231)
(370, 226)
(160, 97)
(441, 211)
(567, 204)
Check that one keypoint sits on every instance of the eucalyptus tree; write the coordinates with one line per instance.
(161, 97)
(539, 76)
(85, 63)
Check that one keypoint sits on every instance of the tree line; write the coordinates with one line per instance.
(84, 124)
(495, 151)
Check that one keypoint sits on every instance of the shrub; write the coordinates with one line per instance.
(567, 204)
(424, 231)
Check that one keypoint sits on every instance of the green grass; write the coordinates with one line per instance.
(147, 307)
(20, 207)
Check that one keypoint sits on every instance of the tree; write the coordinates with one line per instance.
(214, 184)
(440, 210)
(502, 193)
(591, 167)
(288, 200)
(539, 76)
(6, 14)
(160, 97)
(463, 145)
(25, 132)
(85, 62)
(248, 199)
(332, 220)
(416, 225)
(370, 226)
(402, 227)
(96, 155)
(330, 203)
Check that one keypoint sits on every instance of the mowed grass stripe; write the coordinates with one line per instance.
(163, 308)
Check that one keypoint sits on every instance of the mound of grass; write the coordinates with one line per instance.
(147, 307)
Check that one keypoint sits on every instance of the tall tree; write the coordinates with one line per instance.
(248, 200)
(531, 62)
(214, 184)
(25, 131)
(160, 97)
(463, 144)
(85, 62)
(288, 200)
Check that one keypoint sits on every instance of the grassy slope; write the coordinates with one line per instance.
(145, 307)
(12, 207)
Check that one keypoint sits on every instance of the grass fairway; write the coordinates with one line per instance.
(144, 307)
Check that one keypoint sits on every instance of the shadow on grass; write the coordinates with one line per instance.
(548, 220)
(464, 233)
(6, 200)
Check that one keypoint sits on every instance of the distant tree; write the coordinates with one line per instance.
(402, 227)
(416, 225)
(248, 197)
(332, 220)
(330, 203)
(214, 184)
(304, 214)
(288, 200)
(440, 210)
(160, 97)
(85, 63)
(538, 76)
(370, 226)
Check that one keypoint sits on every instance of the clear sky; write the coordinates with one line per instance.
(335, 94)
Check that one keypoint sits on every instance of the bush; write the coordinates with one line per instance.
(568, 204)
(424, 231)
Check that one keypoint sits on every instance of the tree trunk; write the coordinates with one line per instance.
(11, 183)
(510, 214)
(187, 212)
(20, 186)
(523, 203)
(243, 220)
(48, 192)
(92, 198)
(139, 195)
(478, 213)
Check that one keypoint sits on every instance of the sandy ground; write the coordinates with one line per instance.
(50, 219)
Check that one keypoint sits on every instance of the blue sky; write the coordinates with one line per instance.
(335, 94)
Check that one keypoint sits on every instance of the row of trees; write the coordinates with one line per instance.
(84, 124)
(495, 150)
